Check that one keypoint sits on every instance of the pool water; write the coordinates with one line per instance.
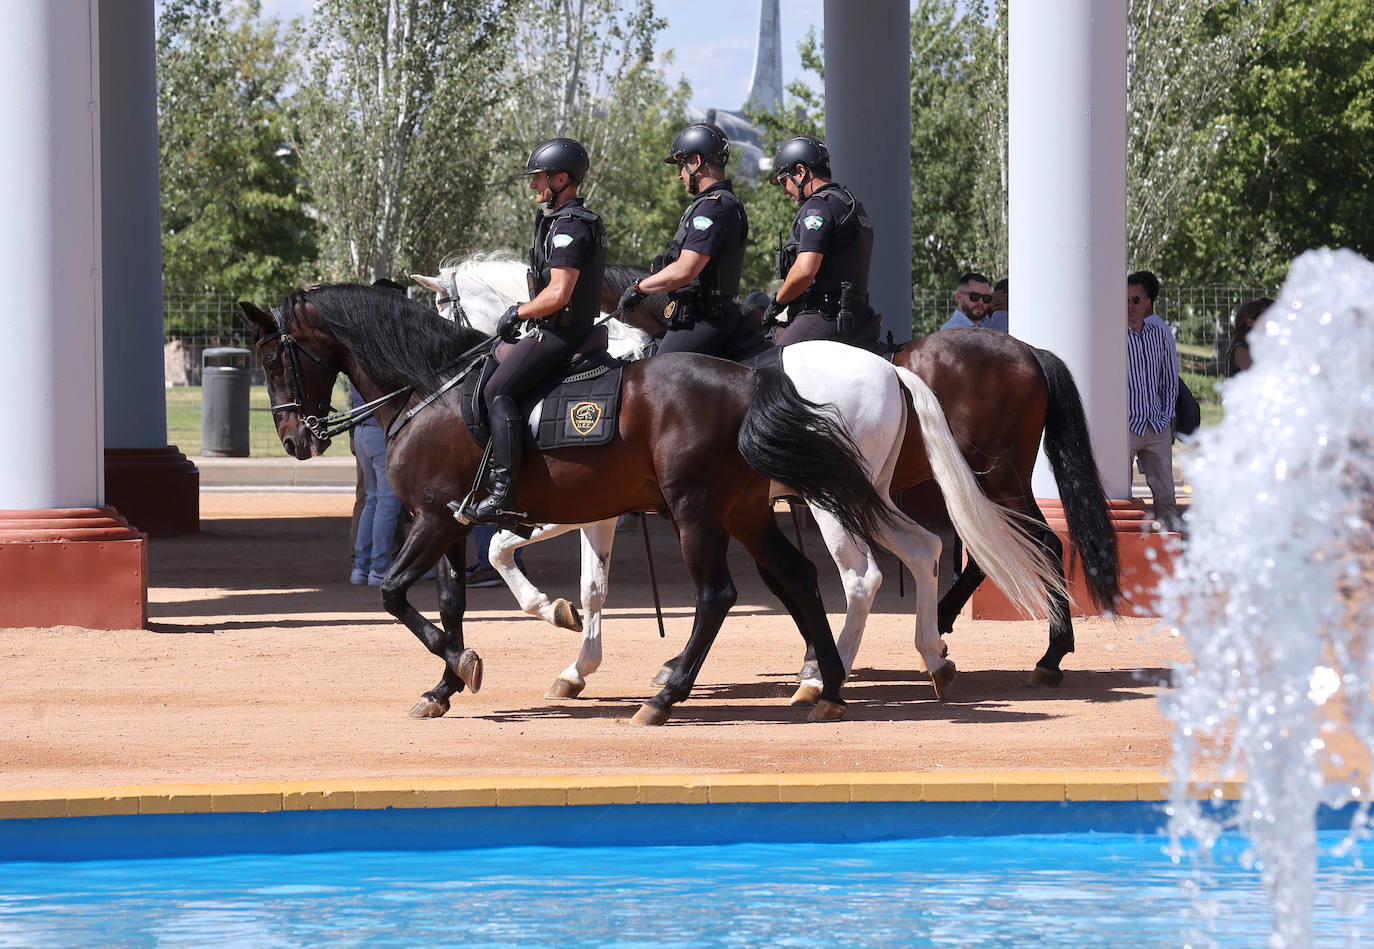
(1071, 889)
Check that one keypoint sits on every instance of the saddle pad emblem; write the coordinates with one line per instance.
(583, 417)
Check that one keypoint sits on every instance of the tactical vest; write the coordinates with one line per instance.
(721, 275)
(846, 260)
(585, 304)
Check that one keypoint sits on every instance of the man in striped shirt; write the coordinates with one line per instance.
(1153, 385)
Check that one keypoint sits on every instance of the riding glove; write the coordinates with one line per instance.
(509, 322)
(770, 315)
(631, 298)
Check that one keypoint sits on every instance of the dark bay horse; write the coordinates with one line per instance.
(698, 440)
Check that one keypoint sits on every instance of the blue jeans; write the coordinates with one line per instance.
(381, 508)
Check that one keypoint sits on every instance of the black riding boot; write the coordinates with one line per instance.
(507, 440)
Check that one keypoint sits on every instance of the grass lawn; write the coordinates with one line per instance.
(183, 420)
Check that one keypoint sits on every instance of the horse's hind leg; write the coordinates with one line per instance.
(957, 597)
(792, 578)
(703, 550)
(596, 543)
(430, 538)
(861, 577)
(1047, 671)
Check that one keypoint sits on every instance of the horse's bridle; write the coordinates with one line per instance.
(324, 423)
(449, 285)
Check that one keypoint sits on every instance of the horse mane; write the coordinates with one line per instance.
(507, 282)
(619, 276)
(393, 339)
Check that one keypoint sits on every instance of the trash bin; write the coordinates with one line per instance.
(224, 378)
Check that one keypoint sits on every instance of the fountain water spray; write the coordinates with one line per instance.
(1272, 593)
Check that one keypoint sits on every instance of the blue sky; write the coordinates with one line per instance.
(713, 42)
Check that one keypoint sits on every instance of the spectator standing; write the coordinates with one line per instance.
(973, 304)
(381, 507)
(1238, 353)
(1152, 374)
(999, 318)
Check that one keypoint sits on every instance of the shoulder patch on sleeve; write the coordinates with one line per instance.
(701, 222)
(562, 240)
(813, 222)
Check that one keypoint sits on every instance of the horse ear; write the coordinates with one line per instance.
(256, 318)
(429, 283)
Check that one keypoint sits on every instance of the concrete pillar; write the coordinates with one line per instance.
(151, 483)
(868, 132)
(1067, 129)
(64, 558)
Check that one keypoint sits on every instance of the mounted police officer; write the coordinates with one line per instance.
(566, 268)
(824, 263)
(701, 269)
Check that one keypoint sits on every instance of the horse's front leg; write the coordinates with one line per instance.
(597, 540)
(430, 538)
(501, 555)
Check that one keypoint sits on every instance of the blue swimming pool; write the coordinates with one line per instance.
(1071, 886)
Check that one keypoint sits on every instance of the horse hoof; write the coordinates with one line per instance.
(1041, 678)
(827, 711)
(806, 695)
(428, 707)
(563, 689)
(565, 616)
(941, 678)
(470, 670)
(651, 715)
(664, 674)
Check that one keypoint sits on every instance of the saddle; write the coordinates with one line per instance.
(578, 406)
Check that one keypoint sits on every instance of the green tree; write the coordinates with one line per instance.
(233, 218)
(958, 141)
(1292, 170)
(392, 128)
(586, 69)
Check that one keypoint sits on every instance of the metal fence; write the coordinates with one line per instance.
(1201, 317)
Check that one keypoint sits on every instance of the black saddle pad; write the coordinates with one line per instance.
(581, 409)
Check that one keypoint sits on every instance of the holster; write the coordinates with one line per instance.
(854, 309)
(684, 308)
(532, 282)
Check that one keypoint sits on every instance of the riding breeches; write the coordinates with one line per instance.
(533, 359)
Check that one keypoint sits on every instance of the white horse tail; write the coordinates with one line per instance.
(994, 534)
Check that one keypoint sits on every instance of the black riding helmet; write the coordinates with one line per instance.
(702, 139)
(559, 154)
(803, 150)
(555, 155)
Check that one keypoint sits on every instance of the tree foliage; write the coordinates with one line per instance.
(392, 132)
(586, 69)
(232, 201)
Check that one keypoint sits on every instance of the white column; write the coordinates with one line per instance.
(1067, 110)
(868, 132)
(50, 385)
(135, 402)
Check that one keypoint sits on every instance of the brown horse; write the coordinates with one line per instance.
(1001, 397)
(698, 440)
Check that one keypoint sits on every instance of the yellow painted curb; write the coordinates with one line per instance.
(569, 790)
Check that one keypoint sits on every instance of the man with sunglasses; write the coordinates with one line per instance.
(823, 265)
(1152, 375)
(973, 306)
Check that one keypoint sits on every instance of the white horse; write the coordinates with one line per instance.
(867, 392)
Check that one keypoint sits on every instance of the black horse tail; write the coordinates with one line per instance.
(806, 446)
(1070, 451)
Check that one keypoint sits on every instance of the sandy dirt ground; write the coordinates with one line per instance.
(262, 663)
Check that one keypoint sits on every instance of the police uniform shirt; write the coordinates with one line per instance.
(713, 227)
(819, 219)
(568, 242)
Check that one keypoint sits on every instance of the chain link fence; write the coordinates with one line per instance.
(1202, 318)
